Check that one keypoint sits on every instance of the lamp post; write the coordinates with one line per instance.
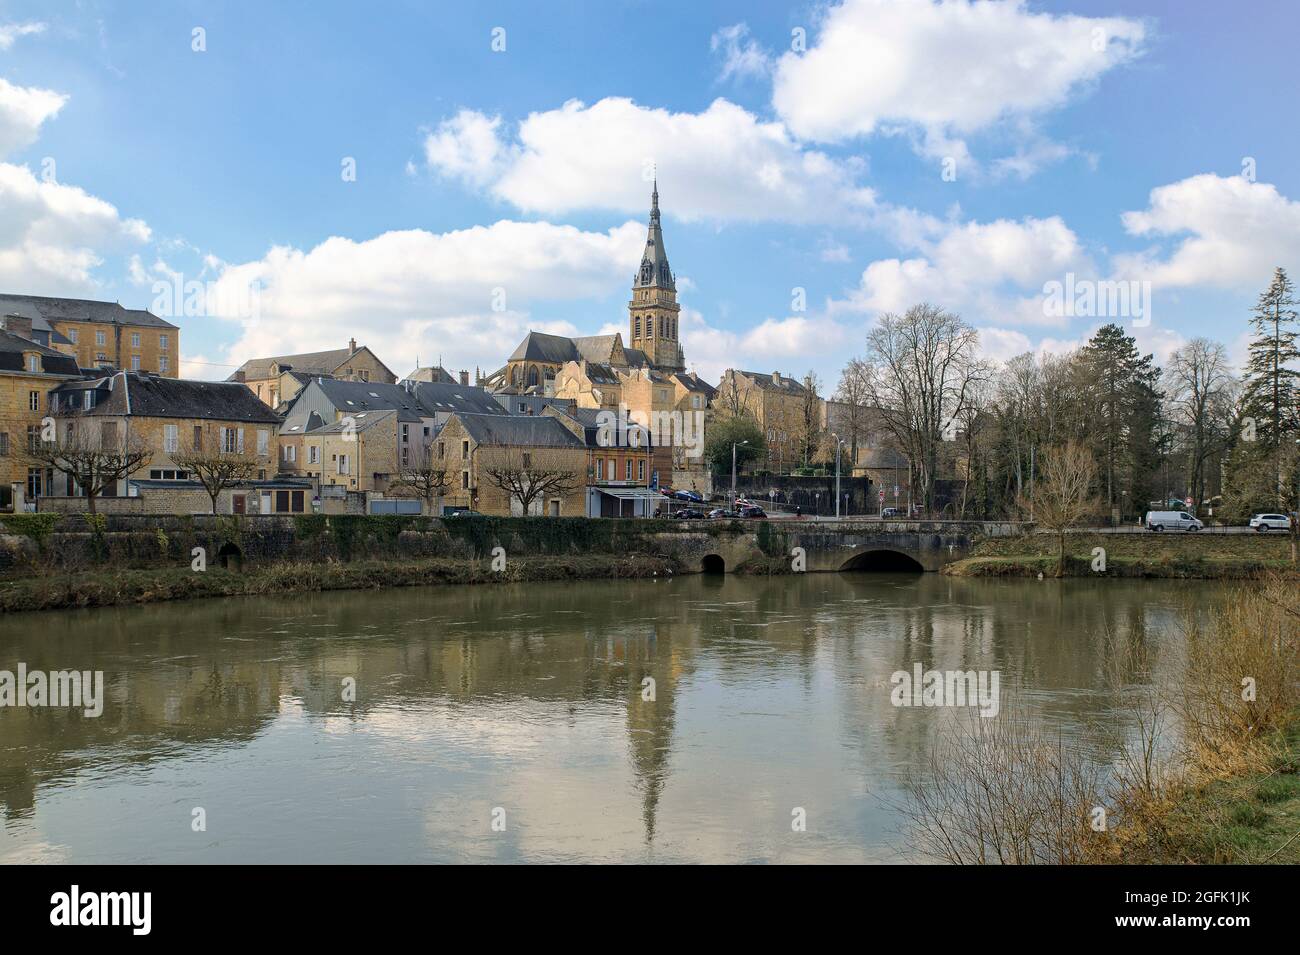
(733, 470)
(838, 441)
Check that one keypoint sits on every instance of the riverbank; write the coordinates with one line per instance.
(140, 586)
(1161, 556)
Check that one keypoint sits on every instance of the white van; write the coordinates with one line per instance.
(1171, 520)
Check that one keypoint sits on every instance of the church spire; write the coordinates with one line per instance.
(654, 271)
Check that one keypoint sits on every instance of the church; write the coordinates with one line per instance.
(652, 344)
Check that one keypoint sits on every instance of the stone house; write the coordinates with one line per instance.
(266, 377)
(28, 371)
(95, 334)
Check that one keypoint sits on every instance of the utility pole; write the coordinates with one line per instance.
(733, 470)
(838, 442)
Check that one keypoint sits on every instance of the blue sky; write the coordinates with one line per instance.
(498, 190)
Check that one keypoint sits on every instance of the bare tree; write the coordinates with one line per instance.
(923, 365)
(422, 478)
(217, 459)
(526, 475)
(731, 400)
(852, 420)
(1200, 386)
(1063, 493)
(808, 421)
(94, 459)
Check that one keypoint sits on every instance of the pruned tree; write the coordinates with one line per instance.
(217, 459)
(526, 475)
(94, 459)
(422, 478)
(1062, 498)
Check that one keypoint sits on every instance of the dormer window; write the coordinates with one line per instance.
(34, 363)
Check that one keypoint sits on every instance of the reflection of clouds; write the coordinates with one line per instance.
(33, 852)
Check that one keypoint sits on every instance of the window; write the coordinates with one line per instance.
(464, 480)
(464, 450)
(34, 400)
(629, 469)
(263, 441)
(33, 482)
(611, 471)
(232, 440)
(695, 401)
(34, 363)
(171, 438)
(87, 400)
(528, 460)
(640, 470)
(291, 453)
(198, 437)
(72, 335)
(99, 338)
(135, 339)
(162, 363)
(442, 449)
(4, 444)
(162, 342)
(343, 464)
(313, 454)
(135, 362)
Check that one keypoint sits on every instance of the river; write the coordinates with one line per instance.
(511, 723)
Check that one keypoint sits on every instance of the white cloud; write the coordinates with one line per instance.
(415, 293)
(742, 57)
(467, 147)
(22, 111)
(52, 235)
(943, 69)
(723, 164)
(985, 271)
(12, 31)
(1229, 232)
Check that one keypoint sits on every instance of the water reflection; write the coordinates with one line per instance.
(768, 695)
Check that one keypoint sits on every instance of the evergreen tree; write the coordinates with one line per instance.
(1272, 382)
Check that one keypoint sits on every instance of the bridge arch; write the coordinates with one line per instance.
(713, 564)
(883, 560)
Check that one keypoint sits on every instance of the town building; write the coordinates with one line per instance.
(278, 380)
(541, 451)
(619, 463)
(170, 417)
(28, 371)
(785, 408)
(102, 335)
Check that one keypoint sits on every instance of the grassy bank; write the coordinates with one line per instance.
(1250, 819)
(1186, 556)
(1203, 764)
(110, 588)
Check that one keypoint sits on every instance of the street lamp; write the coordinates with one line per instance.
(733, 470)
(838, 441)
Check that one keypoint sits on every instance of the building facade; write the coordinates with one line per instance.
(102, 335)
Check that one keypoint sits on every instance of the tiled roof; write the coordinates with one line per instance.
(311, 363)
(519, 431)
(52, 362)
(361, 421)
(764, 381)
(148, 396)
(48, 309)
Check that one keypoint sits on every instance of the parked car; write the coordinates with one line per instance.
(1270, 522)
(890, 513)
(1172, 521)
(691, 496)
(753, 510)
(686, 514)
(723, 513)
(450, 511)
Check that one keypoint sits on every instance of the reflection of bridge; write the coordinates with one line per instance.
(846, 545)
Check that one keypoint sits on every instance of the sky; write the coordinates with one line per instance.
(436, 179)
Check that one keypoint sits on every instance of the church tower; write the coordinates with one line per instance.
(652, 313)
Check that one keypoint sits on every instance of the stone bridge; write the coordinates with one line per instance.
(831, 546)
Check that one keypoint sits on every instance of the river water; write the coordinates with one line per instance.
(510, 723)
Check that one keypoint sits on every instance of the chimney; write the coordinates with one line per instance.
(776, 378)
(352, 346)
(464, 377)
(17, 325)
